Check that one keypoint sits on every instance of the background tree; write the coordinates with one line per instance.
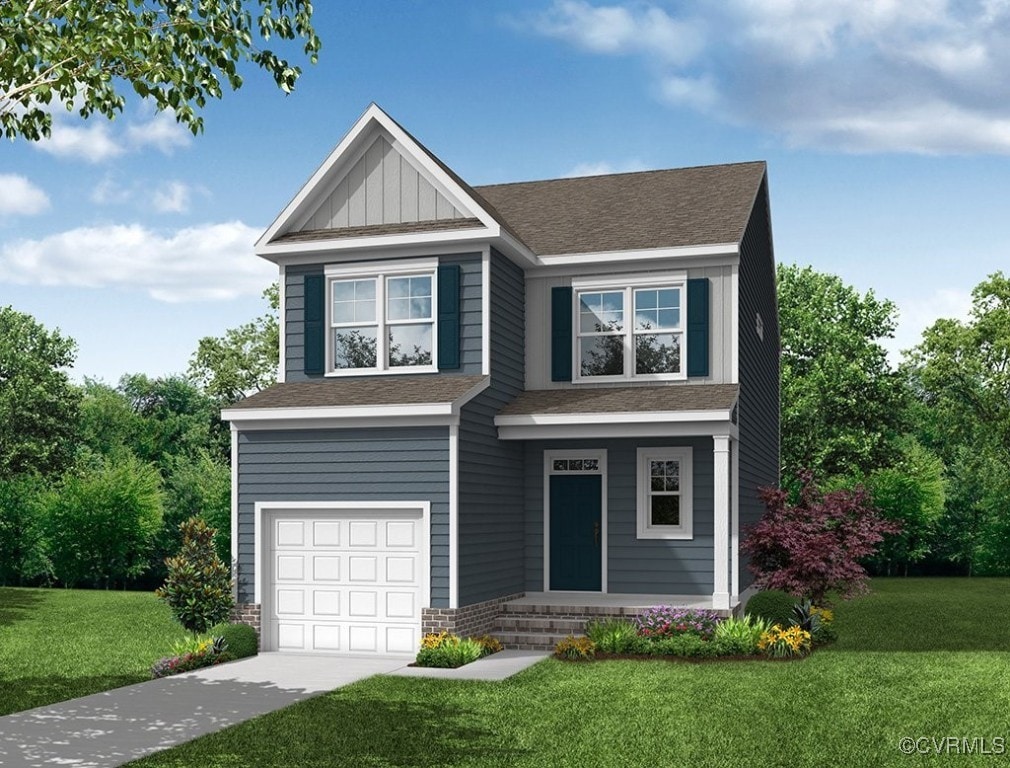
(85, 54)
(100, 523)
(38, 404)
(197, 588)
(23, 545)
(243, 361)
(842, 405)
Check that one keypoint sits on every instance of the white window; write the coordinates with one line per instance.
(664, 493)
(631, 331)
(381, 323)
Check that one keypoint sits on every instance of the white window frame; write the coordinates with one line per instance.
(628, 285)
(685, 457)
(381, 272)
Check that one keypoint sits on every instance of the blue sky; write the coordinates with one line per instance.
(886, 127)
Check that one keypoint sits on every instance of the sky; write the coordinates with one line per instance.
(885, 125)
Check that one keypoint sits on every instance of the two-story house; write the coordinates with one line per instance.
(555, 393)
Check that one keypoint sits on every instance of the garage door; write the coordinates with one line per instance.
(344, 581)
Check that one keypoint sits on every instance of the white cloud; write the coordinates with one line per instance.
(94, 140)
(603, 167)
(931, 76)
(202, 263)
(172, 197)
(18, 196)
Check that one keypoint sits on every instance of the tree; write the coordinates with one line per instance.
(842, 405)
(960, 377)
(197, 589)
(198, 486)
(38, 404)
(23, 546)
(85, 54)
(813, 547)
(244, 360)
(100, 524)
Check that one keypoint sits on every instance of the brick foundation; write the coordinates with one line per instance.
(468, 621)
(247, 613)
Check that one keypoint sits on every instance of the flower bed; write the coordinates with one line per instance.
(192, 653)
(683, 633)
(448, 651)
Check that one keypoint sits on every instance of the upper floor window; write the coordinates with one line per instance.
(630, 332)
(382, 323)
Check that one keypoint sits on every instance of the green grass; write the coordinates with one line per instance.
(919, 658)
(58, 644)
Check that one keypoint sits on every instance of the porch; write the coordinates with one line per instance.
(538, 620)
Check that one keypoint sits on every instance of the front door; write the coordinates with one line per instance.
(575, 529)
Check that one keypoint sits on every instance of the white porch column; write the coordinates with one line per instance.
(720, 594)
(734, 526)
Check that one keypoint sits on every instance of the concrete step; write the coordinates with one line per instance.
(540, 641)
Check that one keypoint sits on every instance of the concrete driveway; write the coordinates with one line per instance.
(114, 727)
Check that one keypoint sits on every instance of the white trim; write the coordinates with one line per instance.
(616, 430)
(485, 310)
(263, 509)
(599, 269)
(234, 513)
(623, 417)
(595, 257)
(629, 280)
(734, 523)
(405, 251)
(282, 303)
(721, 513)
(376, 268)
(454, 516)
(557, 453)
(734, 324)
(685, 456)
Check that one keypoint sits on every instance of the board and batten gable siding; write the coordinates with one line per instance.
(470, 315)
(634, 566)
(388, 464)
(491, 515)
(758, 410)
(538, 325)
(382, 187)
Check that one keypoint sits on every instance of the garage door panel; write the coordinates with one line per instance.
(343, 584)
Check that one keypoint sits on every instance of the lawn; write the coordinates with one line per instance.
(918, 658)
(57, 644)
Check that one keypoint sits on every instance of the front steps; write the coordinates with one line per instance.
(540, 627)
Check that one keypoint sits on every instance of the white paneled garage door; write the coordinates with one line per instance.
(344, 580)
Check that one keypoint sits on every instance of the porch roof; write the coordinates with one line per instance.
(667, 398)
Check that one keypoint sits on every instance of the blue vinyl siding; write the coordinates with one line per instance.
(410, 464)
(758, 415)
(491, 471)
(634, 565)
(470, 316)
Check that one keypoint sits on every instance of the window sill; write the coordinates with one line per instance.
(671, 535)
(377, 372)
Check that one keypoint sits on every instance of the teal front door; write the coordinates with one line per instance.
(575, 530)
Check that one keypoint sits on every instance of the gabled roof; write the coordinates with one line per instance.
(707, 205)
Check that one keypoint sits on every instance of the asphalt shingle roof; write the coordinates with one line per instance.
(369, 390)
(683, 397)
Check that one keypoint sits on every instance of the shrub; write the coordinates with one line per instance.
(196, 653)
(489, 644)
(241, 639)
(773, 605)
(686, 644)
(575, 649)
(825, 632)
(740, 636)
(785, 643)
(448, 651)
(198, 587)
(614, 636)
(663, 621)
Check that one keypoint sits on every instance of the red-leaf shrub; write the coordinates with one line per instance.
(814, 546)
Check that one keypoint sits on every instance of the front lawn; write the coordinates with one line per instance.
(919, 658)
(58, 644)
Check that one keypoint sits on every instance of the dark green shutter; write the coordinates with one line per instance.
(315, 312)
(448, 317)
(561, 333)
(697, 327)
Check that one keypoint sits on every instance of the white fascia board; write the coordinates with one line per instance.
(282, 332)
(381, 267)
(610, 430)
(627, 417)
(276, 252)
(404, 251)
(485, 310)
(640, 254)
(378, 422)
